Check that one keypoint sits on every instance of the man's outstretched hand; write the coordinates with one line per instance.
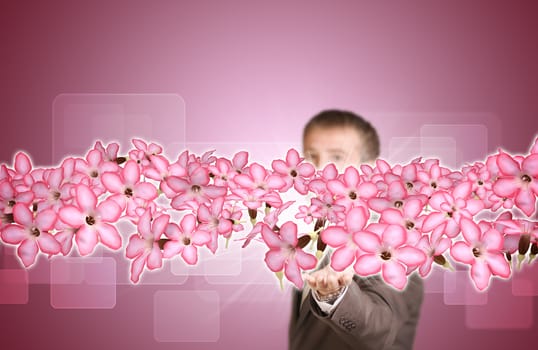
(327, 281)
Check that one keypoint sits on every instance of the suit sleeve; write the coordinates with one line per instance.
(372, 313)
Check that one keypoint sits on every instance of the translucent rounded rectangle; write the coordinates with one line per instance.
(13, 286)
(186, 316)
(502, 311)
(460, 290)
(38, 273)
(80, 270)
(78, 120)
(404, 149)
(435, 281)
(83, 283)
(253, 270)
(471, 140)
(525, 280)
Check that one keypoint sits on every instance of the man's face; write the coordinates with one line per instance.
(338, 145)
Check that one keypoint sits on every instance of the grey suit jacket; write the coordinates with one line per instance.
(371, 316)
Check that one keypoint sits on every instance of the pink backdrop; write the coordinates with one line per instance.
(451, 79)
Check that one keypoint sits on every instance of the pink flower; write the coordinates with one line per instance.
(195, 190)
(160, 169)
(259, 178)
(9, 197)
(21, 178)
(257, 187)
(143, 151)
(184, 239)
(270, 220)
(224, 170)
(285, 254)
(126, 185)
(308, 213)
(53, 191)
(294, 171)
(31, 233)
(519, 181)
(92, 221)
(328, 209)
(318, 184)
(387, 253)
(211, 220)
(93, 166)
(349, 189)
(110, 153)
(434, 179)
(451, 207)
(342, 238)
(482, 249)
(144, 247)
(407, 217)
(395, 197)
(433, 246)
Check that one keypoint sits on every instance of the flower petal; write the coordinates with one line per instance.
(505, 187)
(14, 234)
(159, 225)
(46, 219)
(410, 256)
(109, 210)
(155, 258)
(306, 261)
(72, 216)
(368, 264)
(462, 252)
(27, 251)
(498, 265)
(188, 224)
(131, 172)
(112, 182)
(480, 274)
(356, 219)
(137, 266)
(493, 240)
(394, 274)
(471, 231)
(190, 254)
(136, 246)
(200, 237)
(335, 236)
(145, 191)
(293, 273)
(288, 233)
(342, 258)
(48, 243)
(275, 260)
(86, 198)
(270, 237)
(367, 241)
(23, 215)
(507, 165)
(23, 165)
(86, 239)
(109, 236)
(526, 201)
(394, 236)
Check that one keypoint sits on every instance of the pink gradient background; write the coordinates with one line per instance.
(252, 73)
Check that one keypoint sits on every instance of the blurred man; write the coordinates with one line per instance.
(340, 310)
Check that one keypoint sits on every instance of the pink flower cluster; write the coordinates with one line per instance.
(384, 219)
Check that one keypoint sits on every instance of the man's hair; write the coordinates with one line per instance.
(338, 118)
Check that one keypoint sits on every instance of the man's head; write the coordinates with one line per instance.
(339, 137)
